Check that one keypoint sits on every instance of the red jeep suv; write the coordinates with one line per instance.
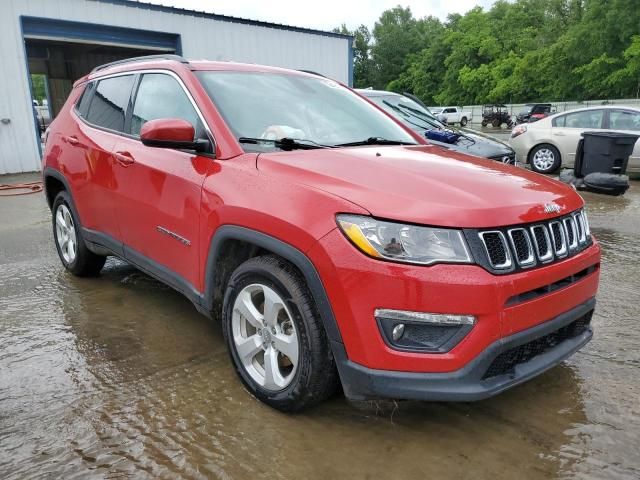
(334, 245)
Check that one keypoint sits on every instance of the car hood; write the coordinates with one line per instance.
(480, 145)
(473, 143)
(425, 184)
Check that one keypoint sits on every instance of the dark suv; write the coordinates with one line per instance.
(420, 119)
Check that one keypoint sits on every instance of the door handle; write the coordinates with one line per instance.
(72, 140)
(124, 158)
(559, 134)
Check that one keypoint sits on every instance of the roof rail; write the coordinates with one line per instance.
(311, 72)
(144, 58)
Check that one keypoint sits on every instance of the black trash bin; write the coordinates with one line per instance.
(604, 152)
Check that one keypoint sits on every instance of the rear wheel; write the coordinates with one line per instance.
(496, 123)
(73, 253)
(275, 336)
(545, 159)
(463, 122)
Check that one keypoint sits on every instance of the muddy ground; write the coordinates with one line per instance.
(118, 377)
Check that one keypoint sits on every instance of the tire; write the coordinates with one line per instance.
(463, 122)
(299, 377)
(496, 123)
(545, 159)
(483, 123)
(70, 244)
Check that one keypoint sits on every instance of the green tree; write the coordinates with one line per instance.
(363, 66)
(516, 51)
(38, 87)
(396, 35)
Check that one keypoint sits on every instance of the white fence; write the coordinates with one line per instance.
(515, 108)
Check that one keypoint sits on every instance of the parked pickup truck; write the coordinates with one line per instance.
(456, 115)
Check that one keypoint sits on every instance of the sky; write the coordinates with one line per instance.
(323, 14)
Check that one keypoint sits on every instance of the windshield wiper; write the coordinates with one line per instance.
(420, 115)
(427, 125)
(374, 141)
(285, 143)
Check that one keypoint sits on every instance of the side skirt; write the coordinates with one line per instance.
(102, 244)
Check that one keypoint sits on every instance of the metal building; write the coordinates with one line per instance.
(65, 39)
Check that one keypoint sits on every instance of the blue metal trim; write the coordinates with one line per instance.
(215, 16)
(351, 63)
(26, 64)
(49, 27)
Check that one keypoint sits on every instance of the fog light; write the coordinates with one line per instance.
(425, 332)
(398, 330)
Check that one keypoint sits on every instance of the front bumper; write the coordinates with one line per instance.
(503, 305)
(471, 382)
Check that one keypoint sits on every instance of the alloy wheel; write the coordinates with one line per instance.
(265, 337)
(66, 234)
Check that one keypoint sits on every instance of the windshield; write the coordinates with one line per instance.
(407, 111)
(316, 110)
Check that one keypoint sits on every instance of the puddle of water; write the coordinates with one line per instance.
(119, 376)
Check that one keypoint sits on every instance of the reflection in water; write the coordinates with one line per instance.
(119, 376)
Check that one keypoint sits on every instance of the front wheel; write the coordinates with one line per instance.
(463, 122)
(545, 159)
(73, 253)
(275, 336)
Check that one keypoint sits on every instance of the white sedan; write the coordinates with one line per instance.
(551, 142)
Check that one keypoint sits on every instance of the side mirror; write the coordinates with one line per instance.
(172, 133)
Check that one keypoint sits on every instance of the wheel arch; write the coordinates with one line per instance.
(231, 245)
(54, 182)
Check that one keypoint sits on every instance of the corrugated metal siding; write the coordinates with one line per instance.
(201, 37)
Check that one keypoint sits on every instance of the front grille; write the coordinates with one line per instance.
(508, 158)
(506, 362)
(530, 245)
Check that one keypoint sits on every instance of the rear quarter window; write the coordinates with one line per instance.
(82, 105)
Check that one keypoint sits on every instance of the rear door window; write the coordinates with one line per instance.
(109, 103)
(624, 120)
(584, 119)
(161, 96)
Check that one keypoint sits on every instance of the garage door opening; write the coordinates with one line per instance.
(59, 52)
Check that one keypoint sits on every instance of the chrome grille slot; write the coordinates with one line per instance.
(579, 219)
(542, 242)
(559, 239)
(522, 247)
(571, 231)
(496, 247)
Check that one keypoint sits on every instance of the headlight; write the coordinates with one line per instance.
(518, 130)
(405, 243)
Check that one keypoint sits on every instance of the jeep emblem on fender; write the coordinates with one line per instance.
(552, 208)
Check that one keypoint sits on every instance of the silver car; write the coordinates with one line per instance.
(551, 142)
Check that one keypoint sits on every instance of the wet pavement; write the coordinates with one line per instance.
(118, 377)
